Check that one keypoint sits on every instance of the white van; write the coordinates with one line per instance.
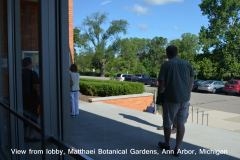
(121, 77)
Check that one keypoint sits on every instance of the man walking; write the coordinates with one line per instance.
(176, 76)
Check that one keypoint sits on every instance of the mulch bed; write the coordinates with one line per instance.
(83, 97)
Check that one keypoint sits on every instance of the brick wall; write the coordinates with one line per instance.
(71, 40)
(29, 26)
(136, 103)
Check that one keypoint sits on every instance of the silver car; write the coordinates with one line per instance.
(211, 86)
(121, 77)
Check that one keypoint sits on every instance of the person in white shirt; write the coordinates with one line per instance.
(74, 91)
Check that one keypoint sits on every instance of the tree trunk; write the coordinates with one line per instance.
(102, 67)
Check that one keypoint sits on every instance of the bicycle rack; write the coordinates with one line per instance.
(202, 115)
(155, 100)
(192, 111)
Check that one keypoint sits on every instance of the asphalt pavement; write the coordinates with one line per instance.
(220, 101)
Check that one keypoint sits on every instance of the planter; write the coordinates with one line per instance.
(132, 101)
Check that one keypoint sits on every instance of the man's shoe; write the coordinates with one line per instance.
(163, 147)
(160, 128)
(176, 154)
(174, 130)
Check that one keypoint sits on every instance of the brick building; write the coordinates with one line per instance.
(43, 31)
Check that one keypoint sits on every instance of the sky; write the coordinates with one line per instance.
(146, 18)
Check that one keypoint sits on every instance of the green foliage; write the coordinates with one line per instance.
(107, 74)
(222, 33)
(112, 75)
(97, 70)
(207, 68)
(148, 65)
(153, 72)
(157, 50)
(188, 47)
(128, 54)
(109, 88)
(95, 34)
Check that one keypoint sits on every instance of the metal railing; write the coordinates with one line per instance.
(197, 115)
(155, 93)
(65, 147)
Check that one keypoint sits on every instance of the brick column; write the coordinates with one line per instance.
(71, 40)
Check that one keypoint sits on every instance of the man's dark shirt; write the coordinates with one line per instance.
(176, 74)
(30, 95)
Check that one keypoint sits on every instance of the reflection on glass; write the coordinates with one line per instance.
(30, 66)
(30, 87)
(33, 148)
(5, 132)
(4, 90)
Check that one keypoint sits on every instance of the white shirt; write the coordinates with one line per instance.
(75, 79)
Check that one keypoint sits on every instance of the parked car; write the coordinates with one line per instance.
(232, 86)
(143, 78)
(196, 82)
(121, 77)
(211, 86)
(154, 83)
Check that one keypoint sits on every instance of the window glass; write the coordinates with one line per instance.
(30, 65)
(207, 82)
(5, 141)
(4, 76)
(118, 75)
(232, 82)
(130, 75)
(32, 146)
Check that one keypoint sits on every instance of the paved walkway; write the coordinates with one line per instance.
(217, 119)
(132, 134)
(92, 77)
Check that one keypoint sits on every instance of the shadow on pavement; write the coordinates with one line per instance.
(97, 133)
(137, 119)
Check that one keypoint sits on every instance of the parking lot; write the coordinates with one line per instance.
(220, 101)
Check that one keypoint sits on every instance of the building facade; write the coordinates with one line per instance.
(41, 30)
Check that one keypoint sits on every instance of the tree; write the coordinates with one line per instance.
(176, 42)
(157, 50)
(188, 47)
(142, 47)
(207, 68)
(93, 33)
(222, 34)
(128, 52)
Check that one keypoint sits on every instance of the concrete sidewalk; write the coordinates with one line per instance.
(217, 119)
(122, 133)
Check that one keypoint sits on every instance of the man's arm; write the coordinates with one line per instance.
(161, 86)
(191, 83)
(161, 89)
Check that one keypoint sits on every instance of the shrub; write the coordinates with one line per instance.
(106, 74)
(109, 88)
